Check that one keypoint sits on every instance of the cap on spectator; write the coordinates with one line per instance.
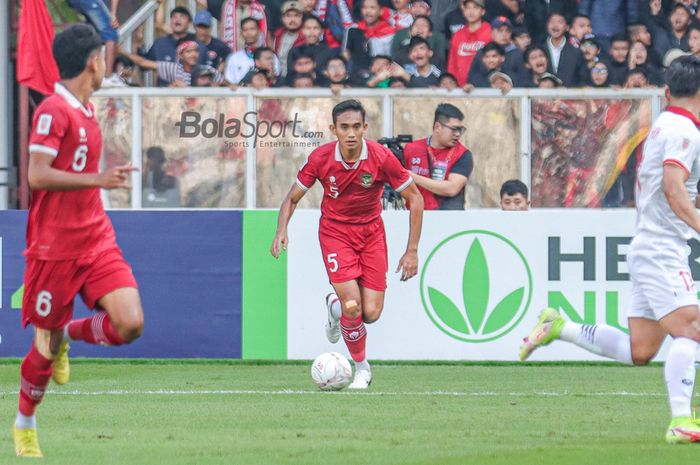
(205, 71)
(589, 39)
(248, 78)
(520, 31)
(202, 18)
(551, 77)
(480, 3)
(672, 55)
(182, 10)
(292, 5)
(427, 2)
(500, 75)
(501, 21)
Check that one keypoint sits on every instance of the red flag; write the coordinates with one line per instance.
(36, 67)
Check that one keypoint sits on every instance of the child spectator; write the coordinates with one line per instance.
(521, 38)
(590, 49)
(599, 75)
(617, 60)
(565, 60)
(468, 41)
(336, 74)
(536, 64)
(492, 58)
(421, 27)
(639, 58)
(420, 72)
(302, 80)
(448, 81)
(580, 26)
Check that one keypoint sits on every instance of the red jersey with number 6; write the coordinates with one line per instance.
(352, 193)
(69, 224)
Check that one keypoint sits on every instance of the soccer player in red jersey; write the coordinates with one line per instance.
(71, 246)
(353, 171)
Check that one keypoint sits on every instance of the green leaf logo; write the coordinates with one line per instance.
(493, 282)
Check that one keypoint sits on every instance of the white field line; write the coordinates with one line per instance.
(289, 392)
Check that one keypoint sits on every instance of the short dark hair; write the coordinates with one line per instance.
(382, 57)
(305, 54)
(124, 61)
(556, 13)
(577, 16)
(394, 79)
(156, 154)
(493, 47)
(249, 19)
(181, 10)
(532, 48)
(348, 105)
(446, 111)
(259, 51)
(310, 17)
(72, 49)
(444, 76)
(416, 41)
(296, 76)
(683, 76)
(512, 187)
(430, 23)
(620, 37)
(337, 58)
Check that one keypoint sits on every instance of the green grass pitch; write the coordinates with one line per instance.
(126, 413)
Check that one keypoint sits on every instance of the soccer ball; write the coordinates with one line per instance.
(331, 371)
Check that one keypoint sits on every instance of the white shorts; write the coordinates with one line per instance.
(661, 278)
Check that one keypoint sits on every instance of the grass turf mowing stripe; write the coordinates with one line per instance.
(293, 392)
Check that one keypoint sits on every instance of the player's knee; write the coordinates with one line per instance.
(642, 356)
(352, 308)
(371, 313)
(130, 329)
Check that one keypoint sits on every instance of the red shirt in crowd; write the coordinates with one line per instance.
(463, 48)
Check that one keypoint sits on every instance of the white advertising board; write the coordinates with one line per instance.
(483, 278)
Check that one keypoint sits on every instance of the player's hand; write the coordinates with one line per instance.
(408, 265)
(116, 178)
(279, 244)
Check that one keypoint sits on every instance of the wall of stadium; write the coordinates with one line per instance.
(211, 289)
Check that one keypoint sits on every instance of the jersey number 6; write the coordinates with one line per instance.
(80, 158)
(43, 303)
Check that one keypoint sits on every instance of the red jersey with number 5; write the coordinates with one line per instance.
(352, 193)
(67, 224)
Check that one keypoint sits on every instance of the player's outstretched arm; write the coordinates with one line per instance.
(408, 265)
(42, 176)
(286, 210)
(677, 195)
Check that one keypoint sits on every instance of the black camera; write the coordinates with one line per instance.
(390, 196)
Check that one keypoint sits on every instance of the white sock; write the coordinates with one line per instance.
(336, 309)
(363, 365)
(679, 372)
(600, 339)
(23, 422)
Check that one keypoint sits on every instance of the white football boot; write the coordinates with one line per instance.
(332, 325)
(363, 378)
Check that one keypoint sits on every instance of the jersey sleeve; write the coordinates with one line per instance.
(166, 70)
(308, 173)
(681, 150)
(49, 128)
(396, 175)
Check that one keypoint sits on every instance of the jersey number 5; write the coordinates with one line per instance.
(332, 259)
(80, 158)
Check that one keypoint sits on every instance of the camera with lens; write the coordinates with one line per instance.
(391, 198)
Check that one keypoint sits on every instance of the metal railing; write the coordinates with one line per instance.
(525, 97)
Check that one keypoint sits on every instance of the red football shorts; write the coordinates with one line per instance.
(355, 251)
(51, 286)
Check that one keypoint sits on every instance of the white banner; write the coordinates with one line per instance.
(483, 278)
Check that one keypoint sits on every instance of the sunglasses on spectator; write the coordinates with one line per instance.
(599, 70)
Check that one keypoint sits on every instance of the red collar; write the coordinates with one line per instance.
(683, 112)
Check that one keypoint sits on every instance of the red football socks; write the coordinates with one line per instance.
(355, 336)
(97, 329)
(35, 372)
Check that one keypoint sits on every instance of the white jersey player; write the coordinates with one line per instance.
(664, 299)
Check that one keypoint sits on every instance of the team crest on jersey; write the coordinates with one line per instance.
(83, 135)
(366, 180)
(43, 126)
(685, 144)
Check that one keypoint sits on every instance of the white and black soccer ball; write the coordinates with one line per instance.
(331, 371)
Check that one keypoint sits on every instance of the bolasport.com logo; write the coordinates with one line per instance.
(250, 129)
(469, 294)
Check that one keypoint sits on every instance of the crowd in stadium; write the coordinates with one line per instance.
(451, 44)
